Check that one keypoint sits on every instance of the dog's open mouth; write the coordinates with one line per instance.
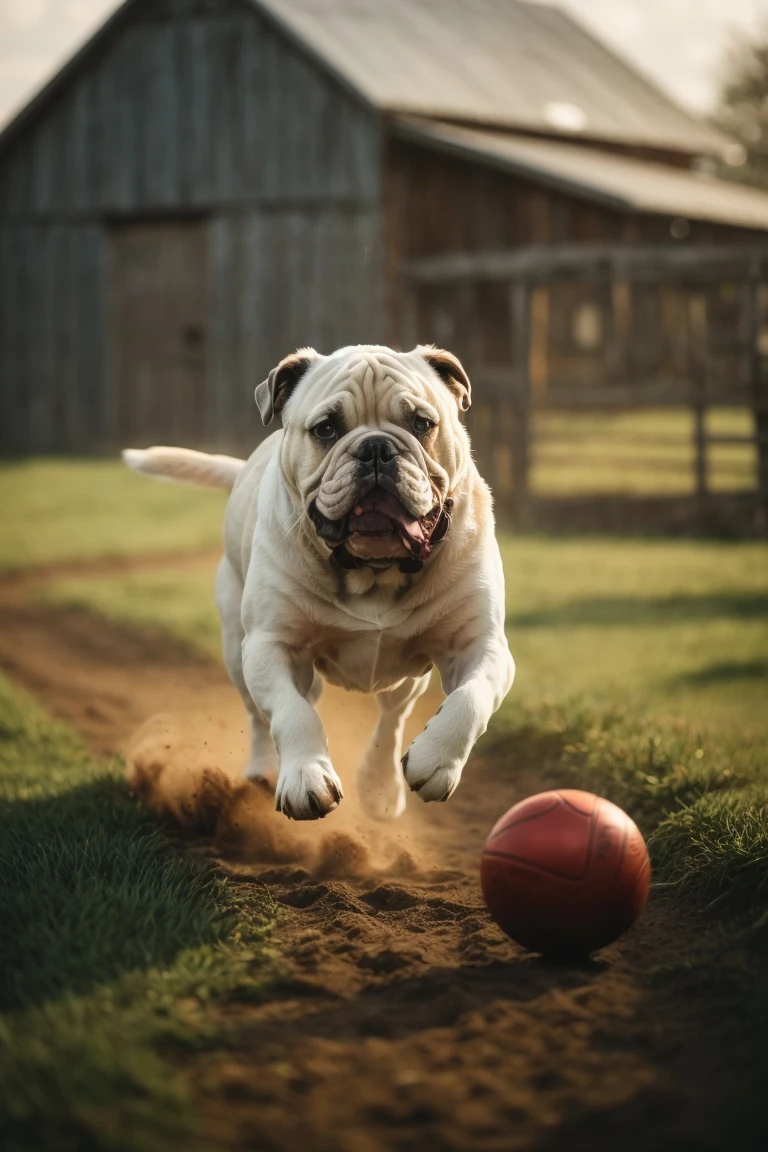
(379, 529)
(381, 514)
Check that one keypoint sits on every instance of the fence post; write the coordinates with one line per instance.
(409, 320)
(758, 385)
(697, 334)
(520, 316)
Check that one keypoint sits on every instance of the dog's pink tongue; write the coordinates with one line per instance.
(376, 508)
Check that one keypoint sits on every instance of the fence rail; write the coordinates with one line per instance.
(673, 330)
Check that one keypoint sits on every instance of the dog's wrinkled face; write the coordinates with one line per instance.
(373, 447)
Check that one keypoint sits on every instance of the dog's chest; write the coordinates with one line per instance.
(365, 664)
(371, 658)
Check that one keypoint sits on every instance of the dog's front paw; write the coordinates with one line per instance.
(430, 770)
(308, 791)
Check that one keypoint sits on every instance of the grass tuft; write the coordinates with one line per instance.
(115, 946)
(701, 804)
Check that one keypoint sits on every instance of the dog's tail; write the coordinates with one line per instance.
(183, 466)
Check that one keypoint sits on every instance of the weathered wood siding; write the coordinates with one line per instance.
(185, 108)
(436, 204)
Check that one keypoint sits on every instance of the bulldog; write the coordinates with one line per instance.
(359, 548)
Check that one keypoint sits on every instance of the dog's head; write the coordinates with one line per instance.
(373, 446)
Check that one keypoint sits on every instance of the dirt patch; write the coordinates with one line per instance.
(401, 1018)
(14, 580)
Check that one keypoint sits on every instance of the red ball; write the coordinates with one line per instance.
(564, 873)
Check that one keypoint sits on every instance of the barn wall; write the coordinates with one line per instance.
(186, 108)
(191, 111)
(436, 203)
(51, 337)
(282, 280)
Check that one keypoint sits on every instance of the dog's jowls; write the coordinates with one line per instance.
(359, 549)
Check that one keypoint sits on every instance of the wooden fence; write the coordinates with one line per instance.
(607, 372)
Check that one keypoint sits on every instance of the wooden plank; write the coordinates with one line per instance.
(79, 129)
(126, 146)
(226, 36)
(98, 137)
(161, 138)
(34, 335)
(69, 409)
(539, 340)
(253, 117)
(296, 126)
(47, 384)
(45, 180)
(11, 305)
(758, 381)
(272, 180)
(697, 329)
(19, 173)
(185, 37)
(520, 323)
(143, 101)
(91, 293)
(6, 304)
(223, 340)
(245, 427)
(109, 124)
(25, 335)
(560, 395)
(199, 109)
(590, 262)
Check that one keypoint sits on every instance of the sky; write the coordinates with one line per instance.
(679, 43)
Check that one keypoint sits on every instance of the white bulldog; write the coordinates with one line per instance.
(359, 548)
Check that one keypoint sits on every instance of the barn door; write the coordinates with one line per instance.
(159, 331)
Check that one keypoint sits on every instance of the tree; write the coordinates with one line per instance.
(742, 111)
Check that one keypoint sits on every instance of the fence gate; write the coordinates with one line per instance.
(609, 382)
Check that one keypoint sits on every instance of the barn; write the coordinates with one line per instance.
(208, 184)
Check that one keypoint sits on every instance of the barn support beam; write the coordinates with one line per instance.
(758, 383)
(520, 322)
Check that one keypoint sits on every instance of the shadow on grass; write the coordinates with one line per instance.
(724, 672)
(621, 610)
(91, 889)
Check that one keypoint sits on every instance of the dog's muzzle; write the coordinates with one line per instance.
(380, 513)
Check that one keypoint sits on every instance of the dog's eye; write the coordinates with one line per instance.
(325, 430)
(421, 425)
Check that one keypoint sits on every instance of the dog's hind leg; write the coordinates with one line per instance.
(380, 777)
(262, 764)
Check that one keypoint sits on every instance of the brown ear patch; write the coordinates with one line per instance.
(273, 393)
(451, 371)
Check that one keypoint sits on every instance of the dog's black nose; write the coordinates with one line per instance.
(376, 450)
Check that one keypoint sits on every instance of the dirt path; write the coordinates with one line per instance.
(404, 1019)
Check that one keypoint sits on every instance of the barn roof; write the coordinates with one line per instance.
(493, 62)
(612, 181)
(508, 63)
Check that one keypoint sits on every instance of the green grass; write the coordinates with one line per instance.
(644, 452)
(115, 945)
(59, 510)
(700, 799)
(178, 601)
(674, 628)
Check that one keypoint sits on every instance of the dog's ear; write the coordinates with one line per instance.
(272, 393)
(451, 371)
